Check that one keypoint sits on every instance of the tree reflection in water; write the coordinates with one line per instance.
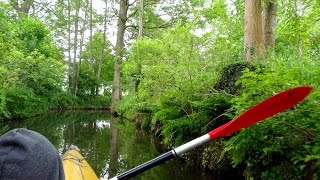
(111, 146)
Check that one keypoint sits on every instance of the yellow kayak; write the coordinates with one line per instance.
(76, 167)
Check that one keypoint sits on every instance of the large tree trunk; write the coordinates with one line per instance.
(269, 24)
(23, 7)
(253, 41)
(116, 92)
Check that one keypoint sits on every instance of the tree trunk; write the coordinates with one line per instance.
(116, 92)
(69, 48)
(90, 39)
(80, 51)
(253, 41)
(75, 45)
(140, 34)
(269, 24)
(102, 55)
(23, 7)
(141, 13)
(298, 26)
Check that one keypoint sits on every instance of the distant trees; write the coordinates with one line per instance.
(79, 28)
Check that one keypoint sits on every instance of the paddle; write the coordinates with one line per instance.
(267, 108)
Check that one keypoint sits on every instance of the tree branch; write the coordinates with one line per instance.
(163, 26)
(134, 12)
(24, 6)
(132, 3)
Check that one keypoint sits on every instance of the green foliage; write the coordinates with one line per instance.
(184, 122)
(170, 65)
(127, 107)
(287, 146)
(31, 69)
(175, 73)
(230, 74)
(102, 60)
(175, 70)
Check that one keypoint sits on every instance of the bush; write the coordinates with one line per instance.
(287, 146)
(127, 107)
(183, 122)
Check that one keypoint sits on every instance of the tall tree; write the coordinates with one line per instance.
(298, 7)
(69, 46)
(269, 24)
(122, 19)
(82, 30)
(253, 39)
(140, 34)
(90, 38)
(75, 45)
(141, 12)
(104, 45)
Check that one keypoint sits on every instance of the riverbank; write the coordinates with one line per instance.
(63, 102)
(273, 147)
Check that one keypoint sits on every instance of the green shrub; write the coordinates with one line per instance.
(22, 102)
(182, 123)
(127, 107)
(286, 146)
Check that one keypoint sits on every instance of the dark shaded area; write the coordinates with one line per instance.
(230, 74)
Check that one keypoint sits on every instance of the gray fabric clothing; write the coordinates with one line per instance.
(26, 154)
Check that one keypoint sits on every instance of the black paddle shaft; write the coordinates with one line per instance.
(147, 165)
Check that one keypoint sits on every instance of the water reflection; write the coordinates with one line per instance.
(110, 146)
(114, 149)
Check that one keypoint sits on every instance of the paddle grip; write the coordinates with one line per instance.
(147, 165)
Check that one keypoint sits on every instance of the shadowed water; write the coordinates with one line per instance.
(111, 147)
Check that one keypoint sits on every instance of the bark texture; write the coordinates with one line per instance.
(269, 24)
(253, 40)
(116, 92)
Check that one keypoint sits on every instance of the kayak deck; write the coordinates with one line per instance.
(76, 167)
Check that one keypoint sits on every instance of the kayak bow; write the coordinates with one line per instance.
(76, 167)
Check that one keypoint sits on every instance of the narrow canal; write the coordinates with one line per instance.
(109, 147)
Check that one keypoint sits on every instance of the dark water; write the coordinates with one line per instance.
(111, 147)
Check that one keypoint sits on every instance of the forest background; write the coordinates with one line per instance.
(177, 68)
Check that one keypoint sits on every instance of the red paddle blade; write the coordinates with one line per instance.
(267, 108)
